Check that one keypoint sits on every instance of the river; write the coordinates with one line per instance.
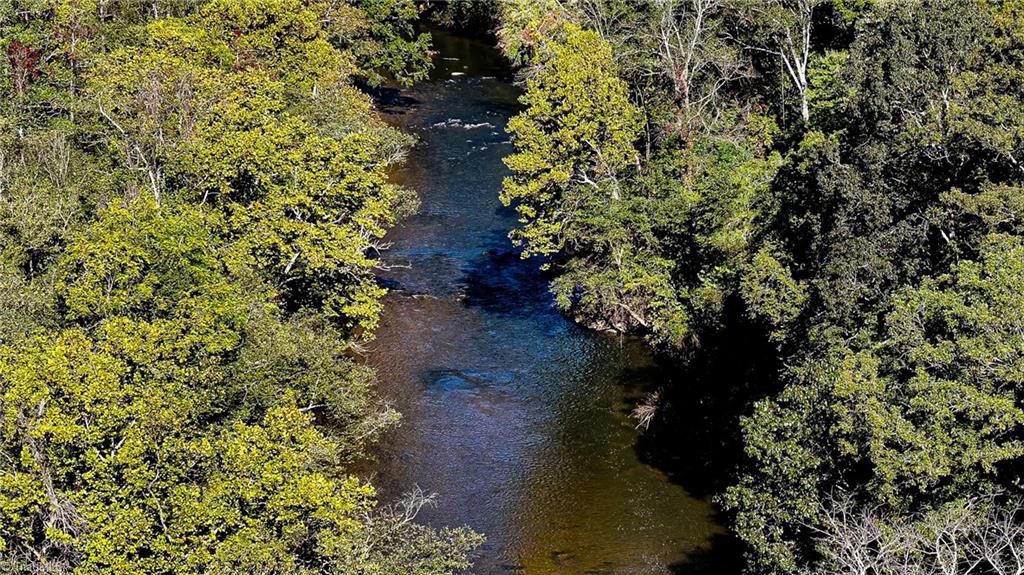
(516, 418)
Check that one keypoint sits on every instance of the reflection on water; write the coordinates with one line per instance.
(518, 419)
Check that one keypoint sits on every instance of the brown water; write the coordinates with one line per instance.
(517, 418)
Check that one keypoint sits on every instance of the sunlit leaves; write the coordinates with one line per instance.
(195, 197)
(572, 140)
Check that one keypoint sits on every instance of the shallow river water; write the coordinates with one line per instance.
(515, 417)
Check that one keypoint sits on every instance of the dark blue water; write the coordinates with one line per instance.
(517, 418)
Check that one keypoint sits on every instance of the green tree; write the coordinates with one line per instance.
(158, 433)
(863, 209)
(660, 249)
(572, 141)
(923, 416)
(175, 394)
(872, 242)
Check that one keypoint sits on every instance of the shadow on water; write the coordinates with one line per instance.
(391, 101)
(500, 281)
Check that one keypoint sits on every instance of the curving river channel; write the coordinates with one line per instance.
(515, 417)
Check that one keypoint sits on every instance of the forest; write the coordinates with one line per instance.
(827, 193)
(811, 211)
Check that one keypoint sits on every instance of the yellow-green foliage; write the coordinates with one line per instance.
(572, 140)
(526, 26)
(128, 438)
(202, 191)
(303, 207)
(618, 218)
(205, 112)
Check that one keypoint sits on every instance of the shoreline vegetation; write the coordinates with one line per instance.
(192, 195)
(810, 208)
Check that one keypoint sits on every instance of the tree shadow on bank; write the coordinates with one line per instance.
(695, 437)
(722, 556)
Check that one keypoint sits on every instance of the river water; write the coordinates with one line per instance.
(515, 417)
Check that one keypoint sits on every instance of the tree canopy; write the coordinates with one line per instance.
(838, 181)
(192, 195)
